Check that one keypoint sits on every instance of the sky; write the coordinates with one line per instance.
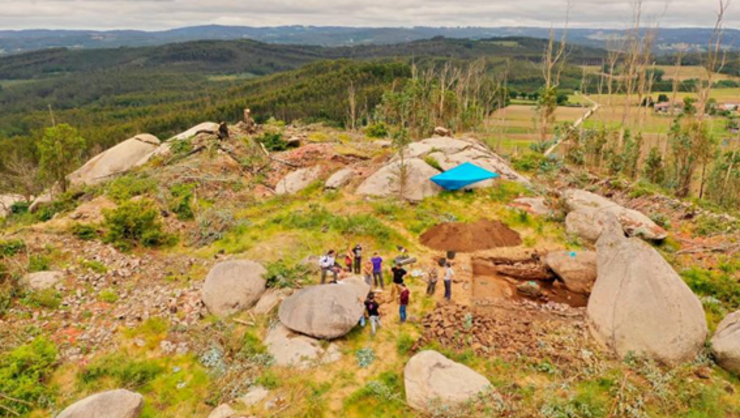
(157, 15)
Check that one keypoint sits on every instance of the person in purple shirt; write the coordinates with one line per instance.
(377, 270)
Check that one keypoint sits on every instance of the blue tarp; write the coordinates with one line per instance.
(462, 175)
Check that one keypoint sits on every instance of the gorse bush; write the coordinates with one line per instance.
(38, 262)
(135, 223)
(84, 232)
(182, 195)
(120, 370)
(281, 275)
(377, 130)
(125, 187)
(273, 141)
(10, 248)
(24, 375)
(319, 218)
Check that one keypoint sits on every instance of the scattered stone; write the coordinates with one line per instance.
(223, 411)
(232, 286)
(533, 205)
(119, 403)
(430, 378)
(340, 178)
(119, 159)
(386, 181)
(290, 349)
(640, 305)
(530, 289)
(92, 211)
(577, 269)
(42, 280)
(633, 222)
(383, 143)
(255, 395)
(441, 131)
(726, 343)
(297, 180)
(324, 311)
(271, 299)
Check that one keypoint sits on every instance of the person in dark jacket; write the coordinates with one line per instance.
(403, 302)
(398, 275)
(357, 253)
(373, 314)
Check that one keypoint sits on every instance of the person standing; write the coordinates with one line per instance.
(348, 260)
(377, 261)
(403, 302)
(372, 311)
(433, 277)
(449, 274)
(398, 274)
(367, 273)
(326, 263)
(357, 253)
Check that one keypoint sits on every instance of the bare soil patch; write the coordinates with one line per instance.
(463, 237)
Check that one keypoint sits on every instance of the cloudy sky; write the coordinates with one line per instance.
(165, 14)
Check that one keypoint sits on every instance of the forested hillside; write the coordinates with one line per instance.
(111, 94)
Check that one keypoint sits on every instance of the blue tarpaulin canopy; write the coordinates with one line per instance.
(462, 175)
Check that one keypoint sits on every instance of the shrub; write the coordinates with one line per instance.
(182, 195)
(95, 266)
(404, 344)
(108, 296)
(252, 345)
(84, 232)
(212, 225)
(433, 162)
(280, 275)
(135, 223)
(273, 141)
(125, 187)
(718, 284)
(10, 248)
(48, 298)
(38, 262)
(24, 374)
(122, 370)
(268, 380)
(377, 130)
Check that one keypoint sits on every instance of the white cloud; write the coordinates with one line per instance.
(165, 14)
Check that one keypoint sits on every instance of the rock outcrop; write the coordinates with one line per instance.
(6, 203)
(533, 205)
(117, 160)
(119, 403)
(271, 299)
(639, 304)
(633, 222)
(42, 280)
(290, 349)
(340, 178)
(432, 379)
(205, 127)
(386, 182)
(232, 286)
(223, 411)
(298, 180)
(324, 311)
(577, 269)
(726, 343)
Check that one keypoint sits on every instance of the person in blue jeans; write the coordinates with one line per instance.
(377, 261)
(403, 301)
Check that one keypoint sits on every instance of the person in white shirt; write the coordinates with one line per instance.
(449, 274)
(326, 263)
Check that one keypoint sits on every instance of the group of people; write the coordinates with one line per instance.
(372, 271)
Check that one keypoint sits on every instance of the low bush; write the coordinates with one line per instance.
(432, 162)
(84, 232)
(48, 298)
(377, 130)
(718, 284)
(135, 223)
(39, 262)
(281, 275)
(273, 141)
(9, 248)
(125, 187)
(121, 370)
(182, 196)
(24, 378)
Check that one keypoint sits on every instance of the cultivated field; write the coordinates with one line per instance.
(684, 72)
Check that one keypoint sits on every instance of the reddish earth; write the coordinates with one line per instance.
(463, 237)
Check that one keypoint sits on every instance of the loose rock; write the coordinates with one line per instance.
(119, 403)
(232, 286)
(726, 343)
(577, 269)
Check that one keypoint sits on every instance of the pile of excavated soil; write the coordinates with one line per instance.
(464, 238)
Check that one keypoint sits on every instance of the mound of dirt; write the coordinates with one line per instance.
(464, 238)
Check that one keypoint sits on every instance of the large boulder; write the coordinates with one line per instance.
(271, 299)
(633, 222)
(431, 378)
(324, 311)
(340, 178)
(479, 155)
(205, 127)
(386, 181)
(726, 343)
(42, 280)
(6, 203)
(290, 349)
(640, 305)
(119, 159)
(577, 269)
(298, 180)
(232, 286)
(119, 403)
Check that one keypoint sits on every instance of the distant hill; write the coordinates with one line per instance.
(29, 40)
